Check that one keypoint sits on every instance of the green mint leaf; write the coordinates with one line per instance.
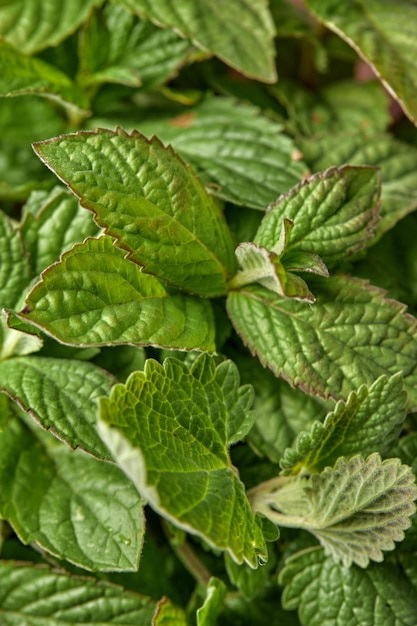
(396, 160)
(167, 614)
(22, 75)
(150, 201)
(239, 33)
(333, 347)
(61, 394)
(382, 36)
(258, 161)
(34, 594)
(169, 429)
(356, 509)
(32, 25)
(14, 342)
(70, 504)
(334, 214)
(263, 266)
(215, 593)
(115, 303)
(369, 421)
(52, 223)
(328, 594)
(250, 582)
(14, 265)
(117, 47)
(360, 508)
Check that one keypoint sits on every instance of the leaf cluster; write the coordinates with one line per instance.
(208, 331)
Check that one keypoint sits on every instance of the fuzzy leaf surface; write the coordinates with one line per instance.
(117, 47)
(52, 223)
(21, 74)
(334, 214)
(258, 161)
(360, 508)
(333, 347)
(369, 421)
(35, 595)
(151, 202)
(72, 505)
(32, 25)
(328, 594)
(239, 32)
(14, 264)
(94, 296)
(384, 34)
(169, 429)
(396, 160)
(263, 266)
(62, 396)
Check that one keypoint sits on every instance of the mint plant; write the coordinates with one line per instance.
(208, 332)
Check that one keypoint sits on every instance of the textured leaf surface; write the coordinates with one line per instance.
(14, 264)
(94, 296)
(169, 428)
(208, 613)
(21, 74)
(118, 47)
(359, 508)
(384, 34)
(145, 197)
(70, 504)
(263, 266)
(13, 342)
(369, 421)
(334, 214)
(240, 154)
(396, 160)
(328, 594)
(62, 396)
(52, 223)
(239, 32)
(31, 25)
(333, 347)
(32, 595)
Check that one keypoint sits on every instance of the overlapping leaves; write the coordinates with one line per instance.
(169, 428)
(145, 197)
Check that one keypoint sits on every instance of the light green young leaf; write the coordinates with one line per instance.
(167, 614)
(328, 594)
(356, 509)
(258, 161)
(263, 266)
(117, 47)
(334, 214)
(333, 347)
(52, 223)
(35, 595)
(61, 394)
(369, 421)
(14, 263)
(396, 160)
(21, 74)
(94, 296)
(14, 342)
(150, 201)
(215, 593)
(239, 32)
(384, 34)
(169, 429)
(70, 504)
(32, 25)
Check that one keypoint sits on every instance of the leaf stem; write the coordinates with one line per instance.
(188, 557)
